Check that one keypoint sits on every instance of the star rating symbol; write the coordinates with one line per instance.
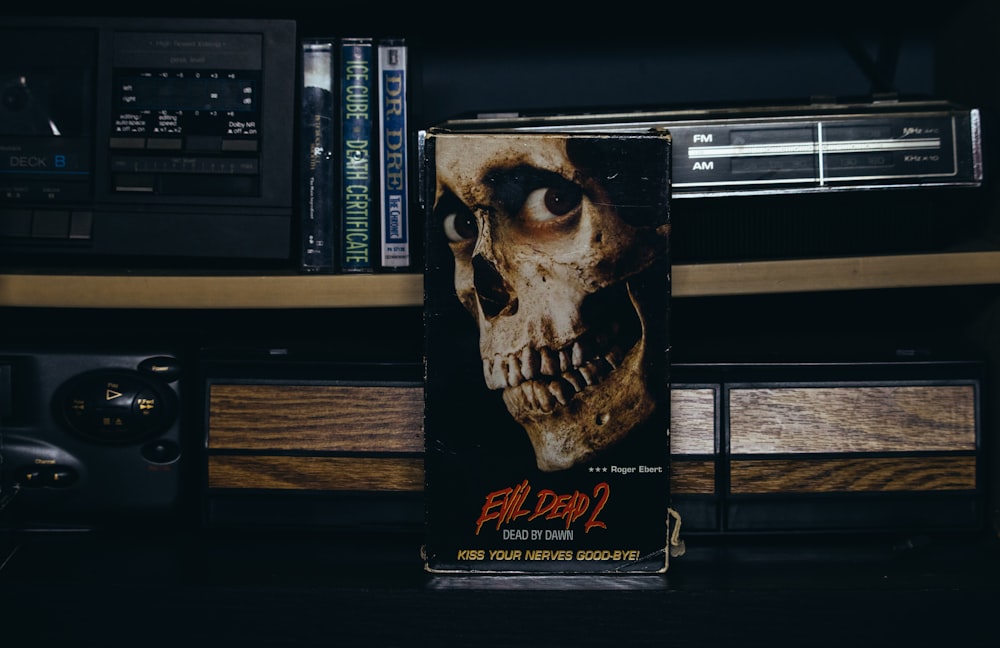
(598, 469)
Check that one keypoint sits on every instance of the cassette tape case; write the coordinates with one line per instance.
(547, 305)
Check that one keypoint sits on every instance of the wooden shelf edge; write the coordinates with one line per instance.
(382, 290)
(210, 292)
(837, 274)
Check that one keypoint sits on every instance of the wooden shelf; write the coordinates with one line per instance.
(284, 291)
(209, 291)
(845, 273)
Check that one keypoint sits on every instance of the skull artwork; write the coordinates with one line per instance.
(546, 265)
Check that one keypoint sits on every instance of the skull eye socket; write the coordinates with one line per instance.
(538, 199)
(460, 226)
(547, 203)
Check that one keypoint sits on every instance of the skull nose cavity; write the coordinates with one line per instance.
(495, 295)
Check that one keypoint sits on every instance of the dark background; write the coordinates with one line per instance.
(332, 587)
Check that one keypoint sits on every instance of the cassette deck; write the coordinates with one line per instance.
(146, 138)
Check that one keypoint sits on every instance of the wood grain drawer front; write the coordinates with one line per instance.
(692, 477)
(846, 419)
(853, 475)
(319, 418)
(316, 473)
(693, 420)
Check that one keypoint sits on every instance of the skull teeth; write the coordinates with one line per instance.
(548, 364)
(574, 378)
(541, 396)
(557, 391)
(590, 374)
(614, 357)
(544, 379)
(530, 363)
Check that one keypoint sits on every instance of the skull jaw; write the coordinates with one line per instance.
(594, 420)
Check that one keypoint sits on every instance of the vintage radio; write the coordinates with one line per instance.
(145, 139)
(803, 179)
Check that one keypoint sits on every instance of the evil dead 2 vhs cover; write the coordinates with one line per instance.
(547, 353)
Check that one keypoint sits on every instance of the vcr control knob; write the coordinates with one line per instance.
(115, 406)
